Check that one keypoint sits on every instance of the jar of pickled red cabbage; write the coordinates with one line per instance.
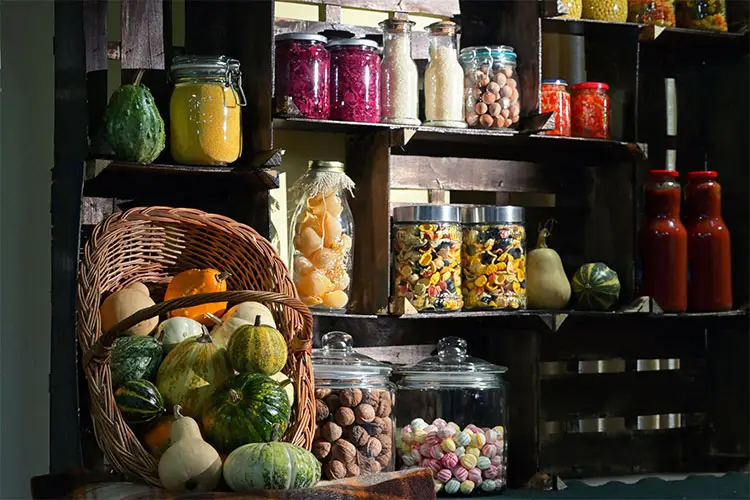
(323, 237)
(303, 66)
(355, 80)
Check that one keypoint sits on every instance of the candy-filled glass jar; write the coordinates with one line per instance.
(427, 257)
(355, 80)
(452, 417)
(323, 236)
(354, 402)
(303, 66)
(493, 257)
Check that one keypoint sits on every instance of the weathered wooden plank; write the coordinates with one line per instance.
(602, 395)
(426, 172)
(95, 34)
(330, 13)
(399, 355)
(142, 29)
(445, 8)
(597, 454)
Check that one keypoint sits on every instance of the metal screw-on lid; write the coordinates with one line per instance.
(353, 42)
(311, 37)
(490, 213)
(427, 213)
(331, 166)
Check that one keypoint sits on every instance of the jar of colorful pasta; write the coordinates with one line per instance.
(590, 110)
(493, 257)
(555, 98)
(656, 12)
(303, 67)
(702, 14)
(323, 236)
(427, 257)
(355, 80)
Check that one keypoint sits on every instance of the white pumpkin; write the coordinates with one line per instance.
(243, 313)
(172, 331)
(289, 388)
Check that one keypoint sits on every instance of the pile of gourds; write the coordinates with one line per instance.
(226, 385)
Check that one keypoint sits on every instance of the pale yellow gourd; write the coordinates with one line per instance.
(190, 463)
(242, 314)
(547, 287)
(124, 303)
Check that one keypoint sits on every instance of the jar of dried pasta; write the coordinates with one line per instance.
(204, 111)
(493, 257)
(427, 257)
(323, 236)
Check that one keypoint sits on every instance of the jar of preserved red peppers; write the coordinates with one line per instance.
(709, 252)
(655, 12)
(702, 14)
(303, 67)
(664, 243)
(555, 98)
(355, 80)
(590, 110)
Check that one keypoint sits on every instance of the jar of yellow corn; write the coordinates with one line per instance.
(606, 10)
(205, 125)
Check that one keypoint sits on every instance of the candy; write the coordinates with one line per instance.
(419, 435)
(444, 475)
(407, 436)
(408, 460)
(460, 473)
(430, 429)
(478, 440)
(452, 487)
(483, 463)
(463, 439)
(433, 464)
(438, 486)
(471, 450)
(460, 451)
(436, 451)
(446, 432)
(475, 475)
(449, 460)
(497, 461)
(473, 428)
(491, 435)
(467, 487)
(489, 485)
(448, 445)
(439, 423)
(432, 438)
(454, 426)
(489, 450)
(415, 455)
(418, 423)
(491, 472)
(424, 450)
(500, 431)
(468, 460)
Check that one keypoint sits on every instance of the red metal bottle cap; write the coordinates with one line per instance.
(663, 173)
(590, 85)
(703, 174)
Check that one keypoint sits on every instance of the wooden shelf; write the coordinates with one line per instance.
(118, 179)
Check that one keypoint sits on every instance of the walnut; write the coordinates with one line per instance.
(373, 447)
(321, 393)
(359, 435)
(344, 416)
(365, 413)
(352, 470)
(384, 407)
(335, 470)
(384, 459)
(373, 428)
(330, 432)
(350, 397)
(321, 411)
(344, 451)
(367, 465)
(333, 403)
(387, 426)
(385, 441)
(370, 397)
(321, 449)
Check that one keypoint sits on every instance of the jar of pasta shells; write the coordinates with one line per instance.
(354, 402)
(427, 257)
(493, 257)
(323, 236)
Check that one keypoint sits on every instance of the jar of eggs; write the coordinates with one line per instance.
(323, 236)
(491, 95)
(451, 418)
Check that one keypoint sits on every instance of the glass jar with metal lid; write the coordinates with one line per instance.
(354, 403)
(303, 67)
(452, 417)
(355, 80)
(205, 125)
(493, 257)
(323, 236)
(427, 257)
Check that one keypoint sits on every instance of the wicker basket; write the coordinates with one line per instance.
(151, 245)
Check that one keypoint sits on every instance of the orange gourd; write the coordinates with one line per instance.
(193, 282)
(156, 438)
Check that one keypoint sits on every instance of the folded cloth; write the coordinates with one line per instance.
(414, 484)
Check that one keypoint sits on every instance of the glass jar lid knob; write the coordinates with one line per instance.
(337, 341)
(452, 348)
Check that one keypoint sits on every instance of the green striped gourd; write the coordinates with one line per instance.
(134, 358)
(257, 349)
(596, 286)
(139, 401)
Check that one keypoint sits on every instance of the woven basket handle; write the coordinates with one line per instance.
(102, 346)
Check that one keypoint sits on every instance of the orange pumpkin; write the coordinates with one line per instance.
(193, 282)
(156, 439)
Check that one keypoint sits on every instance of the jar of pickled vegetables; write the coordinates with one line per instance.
(303, 67)
(702, 14)
(655, 12)
(323, 236)
(452, 418)
(574, 8)
(427, 257)
(355, 80)
(204, 110)
(491, 97)
(555, 98)
(606, 10)
(493, 257)
(590, 110)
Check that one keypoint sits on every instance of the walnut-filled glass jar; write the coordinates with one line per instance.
(452, 418)
(354, 402)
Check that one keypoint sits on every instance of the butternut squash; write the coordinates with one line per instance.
(547, 287)
(124, 303)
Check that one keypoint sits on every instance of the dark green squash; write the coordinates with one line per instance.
(245, 409)
(134, 358)
(596, 287)
(133, 127)
(139, 401)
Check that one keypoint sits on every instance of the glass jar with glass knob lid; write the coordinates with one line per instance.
(354, 403)
(452, 417)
